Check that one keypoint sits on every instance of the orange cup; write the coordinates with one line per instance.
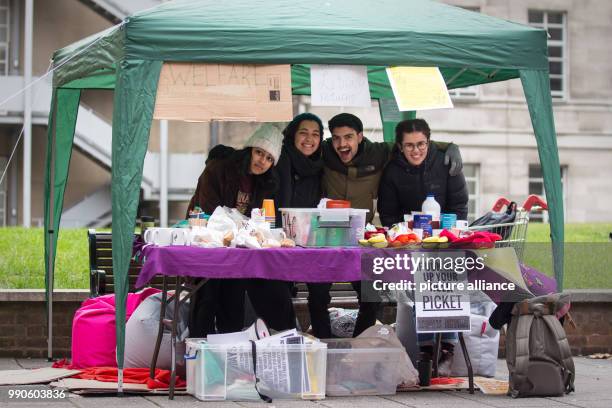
(268, 208)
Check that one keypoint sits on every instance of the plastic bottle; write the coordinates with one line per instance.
(431, 206)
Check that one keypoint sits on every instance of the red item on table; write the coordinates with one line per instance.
(131, 376)
(368, 234)
(338, 204)
(409, 238)
(479, 239)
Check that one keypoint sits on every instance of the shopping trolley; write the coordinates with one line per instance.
(513, 233)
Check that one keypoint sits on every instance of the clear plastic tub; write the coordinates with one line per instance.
(225, 371)
(313, 227)
(357, 369)
(191, 352)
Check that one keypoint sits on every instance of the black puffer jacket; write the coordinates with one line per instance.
(403, 187)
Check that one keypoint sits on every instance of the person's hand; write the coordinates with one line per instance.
(453, 156)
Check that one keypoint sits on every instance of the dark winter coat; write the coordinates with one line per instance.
(404, 187)
(219, 182)
(358, 181)
(300, 179)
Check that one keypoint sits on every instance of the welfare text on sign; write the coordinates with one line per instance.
(202, 92)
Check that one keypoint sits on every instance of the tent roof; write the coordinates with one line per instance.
(401, 32)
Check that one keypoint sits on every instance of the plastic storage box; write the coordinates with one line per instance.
(356, 368)
(225, 371)
(315, 227)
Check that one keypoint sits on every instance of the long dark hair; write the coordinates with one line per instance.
(292, 128)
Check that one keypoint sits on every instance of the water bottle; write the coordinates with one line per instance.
(431, 206)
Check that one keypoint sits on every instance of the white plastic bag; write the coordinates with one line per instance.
(482, 344)
(221, 221)
(206, 238)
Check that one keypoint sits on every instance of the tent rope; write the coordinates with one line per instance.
(8, 163)
(50, 71)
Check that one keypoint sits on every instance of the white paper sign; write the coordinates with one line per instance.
(339, 85)
(442, 302)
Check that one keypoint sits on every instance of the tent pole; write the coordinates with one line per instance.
(27, 116)
(163, 173)
(50, 232)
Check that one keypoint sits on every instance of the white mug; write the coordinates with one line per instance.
(181, 236)
(158, 236)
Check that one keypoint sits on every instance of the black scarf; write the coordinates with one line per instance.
(304, 166)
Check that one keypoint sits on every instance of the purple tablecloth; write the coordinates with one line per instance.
(289, 264)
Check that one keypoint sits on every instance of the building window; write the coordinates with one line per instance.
(536, 186)
(4, 36)
(555, 23)
(472, 178)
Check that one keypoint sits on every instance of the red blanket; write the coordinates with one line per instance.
(132, 376)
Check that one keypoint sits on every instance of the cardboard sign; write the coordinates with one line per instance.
(202, 92)
(439, 305)
(419, 88)
(339, 85)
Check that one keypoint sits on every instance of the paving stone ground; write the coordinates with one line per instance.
(593, 390)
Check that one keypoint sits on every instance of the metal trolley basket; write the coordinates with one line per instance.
(513, 233)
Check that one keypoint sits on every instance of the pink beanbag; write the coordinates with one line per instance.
(93, 329)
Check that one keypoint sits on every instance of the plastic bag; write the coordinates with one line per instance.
(385, 336)
(342, 321)
(206, 238)
(221, 220)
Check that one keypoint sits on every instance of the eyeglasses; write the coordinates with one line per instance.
(411, 146)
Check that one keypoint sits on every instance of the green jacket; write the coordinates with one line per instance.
(358, 181)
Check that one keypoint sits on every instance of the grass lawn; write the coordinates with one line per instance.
(588, 256)
(22, 259)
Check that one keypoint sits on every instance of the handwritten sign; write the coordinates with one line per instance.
(442, 303)
(203, 92)
(389, 110)
(339, 85)
(419, 88)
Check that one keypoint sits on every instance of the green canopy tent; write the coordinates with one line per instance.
(469, 48)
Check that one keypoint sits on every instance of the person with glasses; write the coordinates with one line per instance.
(353, 166)
(418, 169)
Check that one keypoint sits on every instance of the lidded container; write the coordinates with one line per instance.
(316, 227)
(225, 371)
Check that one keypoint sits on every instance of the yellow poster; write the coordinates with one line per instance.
(419, 88)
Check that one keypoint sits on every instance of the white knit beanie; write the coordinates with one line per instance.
(269, 138)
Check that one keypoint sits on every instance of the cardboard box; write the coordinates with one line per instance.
(202, 92)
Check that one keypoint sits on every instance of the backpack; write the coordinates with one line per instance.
(537, 351)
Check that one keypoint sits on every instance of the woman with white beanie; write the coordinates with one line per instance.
(240, 179)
